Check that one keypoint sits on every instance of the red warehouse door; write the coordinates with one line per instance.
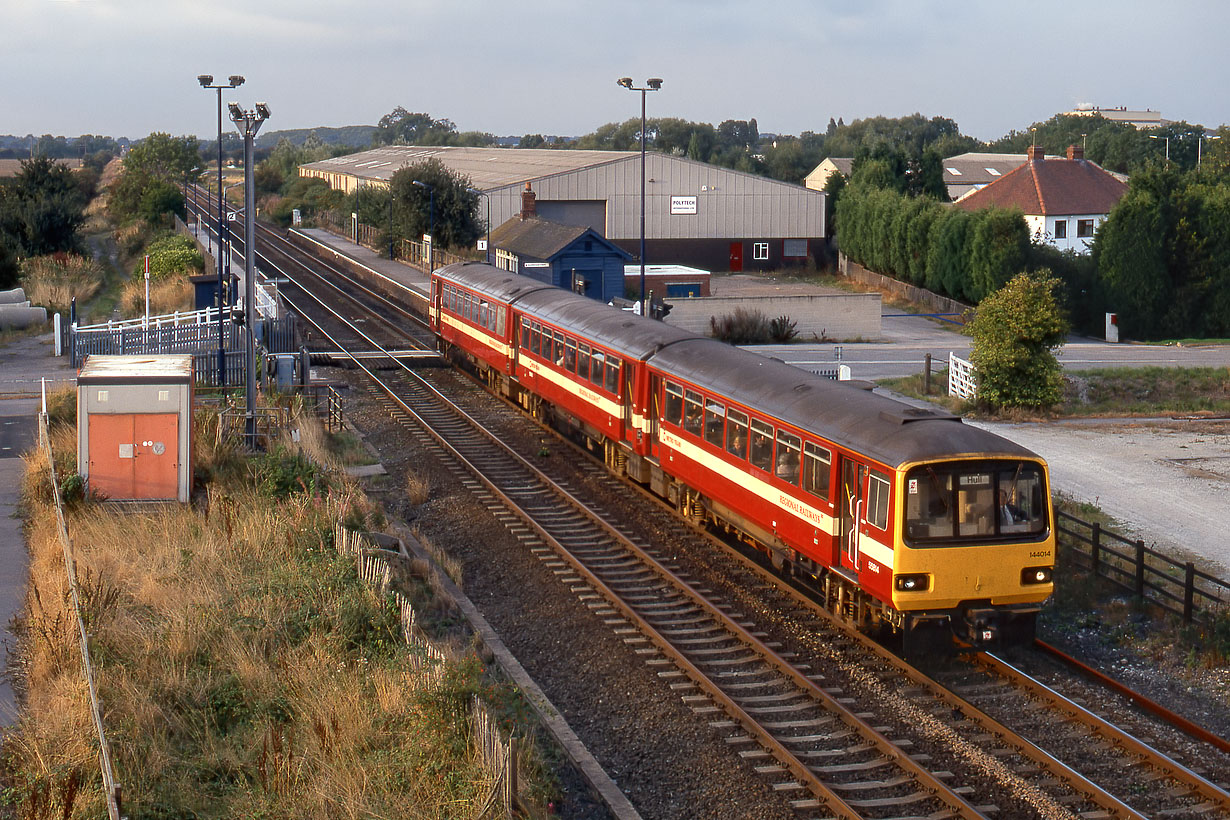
(134, 455)
(736, 257)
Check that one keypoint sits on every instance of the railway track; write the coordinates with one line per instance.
(812, 739)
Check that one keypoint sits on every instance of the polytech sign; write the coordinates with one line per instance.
(683, 205)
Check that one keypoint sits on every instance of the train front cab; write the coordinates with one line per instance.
(975, 549)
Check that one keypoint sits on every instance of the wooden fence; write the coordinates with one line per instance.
(111, 788)
(961, 381)
(1178, 588)
(499, 757)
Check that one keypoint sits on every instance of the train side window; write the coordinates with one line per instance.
(787, 465)
(672, 412)
(570, 355)
(483, 307)
(557, 355)
(612, 376)
(525, 333)
(583, 360)
(762, 445)
(736, 434)
(715, 415)
(693, 412)
(877, 500)
(597, 363)
(536, 339)
(816, 466)
(499, 321)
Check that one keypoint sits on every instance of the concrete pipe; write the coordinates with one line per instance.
(15, 317)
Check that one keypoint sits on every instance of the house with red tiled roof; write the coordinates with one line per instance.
(1064, 200)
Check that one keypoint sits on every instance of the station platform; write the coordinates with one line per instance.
(398, 275)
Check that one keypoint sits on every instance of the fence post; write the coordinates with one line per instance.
(1095, 546)
(927, 375)
(511, 780)
(1189, 592)
(1140, 568)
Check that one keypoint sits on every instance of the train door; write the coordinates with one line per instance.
(434, 313)
(853, 480)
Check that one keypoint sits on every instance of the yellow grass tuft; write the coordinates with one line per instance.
(54, 281)
(166, 295)
(245, 669)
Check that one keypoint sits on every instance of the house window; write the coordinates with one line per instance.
(1061, 229)
(1084, 228)
(794, 248)
(760, 251)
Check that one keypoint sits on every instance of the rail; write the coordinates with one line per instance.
(1177, 587)
(111, 787)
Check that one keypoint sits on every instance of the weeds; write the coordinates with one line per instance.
(745, 327)
(245, 669)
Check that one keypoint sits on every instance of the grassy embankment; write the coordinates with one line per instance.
(245, 670)
(1124, 391)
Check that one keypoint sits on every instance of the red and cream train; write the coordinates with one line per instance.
(904, 517)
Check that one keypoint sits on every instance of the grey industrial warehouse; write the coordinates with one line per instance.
(695, 214)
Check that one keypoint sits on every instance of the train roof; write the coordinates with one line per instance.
(883, 428)
(503, 285)
(887, 430)
(621, 331)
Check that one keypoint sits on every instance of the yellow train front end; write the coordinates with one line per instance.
(975, 546)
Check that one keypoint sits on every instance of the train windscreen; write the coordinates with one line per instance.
(975, 502)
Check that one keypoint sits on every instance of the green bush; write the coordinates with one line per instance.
(1016, 330)
(169, 255)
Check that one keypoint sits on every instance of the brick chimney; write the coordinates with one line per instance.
(1076, 152)
(528, 207)
(1035, 152)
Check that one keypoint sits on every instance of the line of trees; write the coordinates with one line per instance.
(1163, 256)
(964, 255)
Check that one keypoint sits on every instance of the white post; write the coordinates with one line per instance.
(56, 328)
(146, 291)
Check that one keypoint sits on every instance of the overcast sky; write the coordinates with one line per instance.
(509, 67)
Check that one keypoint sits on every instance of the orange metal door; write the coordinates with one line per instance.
(134, 455)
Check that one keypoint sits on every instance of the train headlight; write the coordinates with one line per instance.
(918, 582)
(1036, 575)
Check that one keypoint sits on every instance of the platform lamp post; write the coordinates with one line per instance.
(391, 198)
(1200, 144)
(207, 81)
(248, 123)
(1156, 137)
(226, 248)
(431, 218)
(652, 84)
(477, 192)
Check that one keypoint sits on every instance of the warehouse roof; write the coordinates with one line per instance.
(487, 168)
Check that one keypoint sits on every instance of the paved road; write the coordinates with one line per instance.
(907, 340)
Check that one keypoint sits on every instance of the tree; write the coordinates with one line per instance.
(42, 209)
(1016, 331)
(456, 223)
(158, 159)
(402, 127)
(997, 250)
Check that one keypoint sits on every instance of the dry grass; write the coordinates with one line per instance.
(165, 296)
(246, 671)
(54, 281)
